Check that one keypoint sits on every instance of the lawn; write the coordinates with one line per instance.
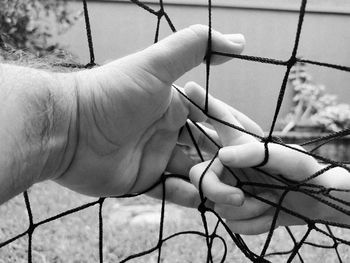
(130, 226)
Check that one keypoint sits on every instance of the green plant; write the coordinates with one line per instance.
(334, 118)
(30, 24)
(314, 107)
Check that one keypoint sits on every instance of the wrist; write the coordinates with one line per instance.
(42, 120)
(37, 116)
(62, 137)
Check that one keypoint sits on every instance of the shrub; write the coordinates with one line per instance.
(29, 25)
(313, 107)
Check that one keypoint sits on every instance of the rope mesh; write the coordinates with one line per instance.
(324, 195)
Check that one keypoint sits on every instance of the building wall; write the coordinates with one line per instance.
(120, 28)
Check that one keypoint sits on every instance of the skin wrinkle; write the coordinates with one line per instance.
(64, 150)
(47, 114)
(45, 127)
(162, 105)
(99, 113)
(61, 118)
(95, 111)
(141, 143)
(198, 34)
(49, 120)
(143, 157)
(104, 112)
(152, 75)
(134, 80)
(151, 71)
(153, 126)
(76, 136)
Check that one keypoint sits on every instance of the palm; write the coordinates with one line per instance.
(129, 116)
(128, 133)
(264, 188)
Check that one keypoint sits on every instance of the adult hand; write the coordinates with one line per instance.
(129, 118)
(250, 208)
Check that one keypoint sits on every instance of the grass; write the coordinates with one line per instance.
(74, 238)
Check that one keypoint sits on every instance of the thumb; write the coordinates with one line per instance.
(170, 58)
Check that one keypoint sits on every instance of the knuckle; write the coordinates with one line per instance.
(197, 170)
(305, 161)
(216, 196)
(199, 29)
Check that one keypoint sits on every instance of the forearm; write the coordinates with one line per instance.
(37, 127)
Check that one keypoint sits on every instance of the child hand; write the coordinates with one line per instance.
(247, 197)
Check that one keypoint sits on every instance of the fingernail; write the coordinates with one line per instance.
(236, 38)
(236, 199)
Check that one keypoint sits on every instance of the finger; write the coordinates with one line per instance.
(247, 122)
(197, 114)
(178, 192)
(180, 162)
(220, 111)
(212, 187)
(175, 55)
(197, 93)
(255, 226)
(283, 160)
(251, 208)
(205, 138)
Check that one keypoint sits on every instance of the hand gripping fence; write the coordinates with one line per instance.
(324, 195)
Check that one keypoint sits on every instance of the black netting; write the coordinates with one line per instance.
(324, 195)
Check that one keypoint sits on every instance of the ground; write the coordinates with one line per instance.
(130, 226)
